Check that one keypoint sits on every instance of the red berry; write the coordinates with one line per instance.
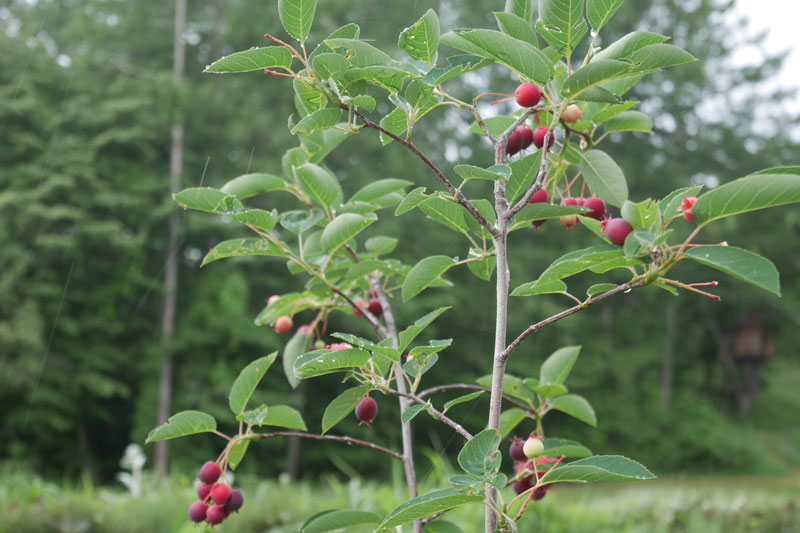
(235, 501)
(686, 207)
(209, 473)
(220, 493)
(366, 411)
(539, 493)
(571, 114)
(359, 305)
(617, 230)
(528, 95)
(569, 221)
(598, 207)
(215, 514)
(203, 490)
(197, 512)
(522, 485)
(283, 324)
(515, 451)
(375, 307)
(539, 197)
(539, 135)
(526, 135)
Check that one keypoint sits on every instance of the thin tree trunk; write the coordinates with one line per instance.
(668, 359)
(171, 271)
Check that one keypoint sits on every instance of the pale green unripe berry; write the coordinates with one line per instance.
(533, 447)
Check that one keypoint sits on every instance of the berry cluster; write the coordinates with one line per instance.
(217, 500)
(523, 452)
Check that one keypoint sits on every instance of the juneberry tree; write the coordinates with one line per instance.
(545, 164)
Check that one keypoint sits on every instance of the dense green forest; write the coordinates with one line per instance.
(86, 101)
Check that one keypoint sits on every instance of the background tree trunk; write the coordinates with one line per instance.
(171, 271)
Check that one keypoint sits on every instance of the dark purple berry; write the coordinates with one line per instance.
(197, 512)
(366, 411)
(209, 473)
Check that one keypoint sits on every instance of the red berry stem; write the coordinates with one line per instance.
(692, 287)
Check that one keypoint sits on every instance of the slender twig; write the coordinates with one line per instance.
(337, 438)
(466, 386)
(571, 311)
(438, 415)
(439, 174)
(481, 123)
(586, 136)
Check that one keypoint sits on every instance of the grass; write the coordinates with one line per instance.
(729, 505)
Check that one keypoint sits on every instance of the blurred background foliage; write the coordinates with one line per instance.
(86, 101)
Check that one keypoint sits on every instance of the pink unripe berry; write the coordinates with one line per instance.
(569, 221)
(220, 493)
(235, 502)
(197, 512)
(283, 324)
(598, 207)
(272, 299)
(375, 307)
(515, 450)
(571, 114)
(539, 135)
(617, 230)
(203, 490)
(305, 329)
(686, 207)
(338, 347)
(209, 473)
(215, 514)
(528, 95)
(533, 447)
(359, 305)
(366, 411)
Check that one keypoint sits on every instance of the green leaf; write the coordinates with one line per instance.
(599, 12)
(523, 172)
(746, 194)
(257, 218)
(318, 120)
(604, 176)
(301, 220)
(342, 405)
(598, 94)
(250, 185)
(657, 56)
(573, 263)
(542, 211)
(442, 526)
(600, 288)
(627, 45)
(411, 332)
(462, 399)
(348, 31)
(307, 99)
(516, 27)
(521, 8)
(421, 40)
(337, 520)
(630, 121)
(319, 184)
(423, 274)
(561, 24)
(600, 468)
(381, 245)
(364, 54)
(380, 348)
(641, 215)
(253, 59)
(540, 287)
(480, 456)
(493, 173)
(596, 72)
(296, 17)
(575, 406)
(449, 214)
(378, 189)
(412, 200)
(208, 200)
(182, 424)
(343, 229)
(510, 419)
(283, 416)
(546, 391)
(248, 380)
(321, 362)
(326, 65)
(236, 454)
(297, 345)
(409, 414)
(518, 55)
(427, 505)
(483, 267)
(610, 112)
(241, 247)
(741, 264)
(556, 368)
(563, 447)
